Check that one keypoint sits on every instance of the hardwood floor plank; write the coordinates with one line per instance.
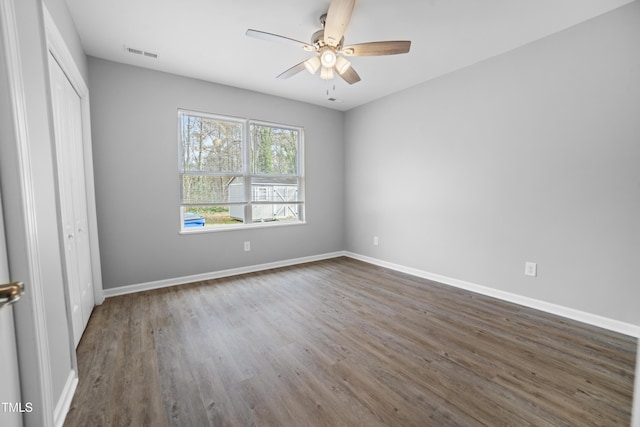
(344, 343)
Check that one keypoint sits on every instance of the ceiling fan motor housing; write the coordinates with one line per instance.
(317, 39)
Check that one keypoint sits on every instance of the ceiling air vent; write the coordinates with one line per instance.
(141, 52)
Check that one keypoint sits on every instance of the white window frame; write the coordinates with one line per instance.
(246, 175)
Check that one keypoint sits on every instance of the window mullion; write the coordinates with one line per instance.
(246, 169)
(301, 175)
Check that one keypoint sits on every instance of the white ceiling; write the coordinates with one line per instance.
(205, 39)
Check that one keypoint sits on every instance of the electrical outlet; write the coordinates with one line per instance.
(375, 240)
(530, 269)
(247, 246)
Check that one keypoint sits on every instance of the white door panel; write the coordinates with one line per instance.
(67, 116)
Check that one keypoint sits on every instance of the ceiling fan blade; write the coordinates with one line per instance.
(279, 39)
(292, 71)
(338, 18)
(377, 48)
(350, 76)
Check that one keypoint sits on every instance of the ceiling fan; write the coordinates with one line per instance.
(328, 43)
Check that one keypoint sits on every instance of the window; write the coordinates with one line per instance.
(236, 172)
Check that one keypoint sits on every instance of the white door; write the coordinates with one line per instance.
(10, 404)
(67, 117)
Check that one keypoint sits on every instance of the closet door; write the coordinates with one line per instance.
(67, 118)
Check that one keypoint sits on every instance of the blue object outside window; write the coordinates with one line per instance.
(193, 220)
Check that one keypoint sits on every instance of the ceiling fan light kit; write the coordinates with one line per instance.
(328, 44)
(328, 57)
(312, 64)
(342, 65)
(326, 73)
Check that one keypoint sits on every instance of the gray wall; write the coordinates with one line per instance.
(533, 155)
(135, 148)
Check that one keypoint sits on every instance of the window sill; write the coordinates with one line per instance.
(223, 228)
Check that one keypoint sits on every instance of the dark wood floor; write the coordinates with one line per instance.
(343, 343)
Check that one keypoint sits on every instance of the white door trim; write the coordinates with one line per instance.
(62, 55)
(35, 305)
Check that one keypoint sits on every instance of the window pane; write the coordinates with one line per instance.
(210, 145)
(231, 178)
(198, 217)
(274, 150)
(212, 189)
(275, 189)
(276, 212)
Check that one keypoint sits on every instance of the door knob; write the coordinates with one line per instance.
(10, 293)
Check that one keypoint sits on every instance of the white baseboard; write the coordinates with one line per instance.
(64, 403)
(570, 313)
(129, 289)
